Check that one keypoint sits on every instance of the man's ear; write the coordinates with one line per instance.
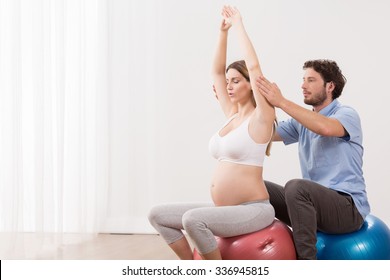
(330, 86)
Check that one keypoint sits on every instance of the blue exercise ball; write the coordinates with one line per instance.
(371, 242)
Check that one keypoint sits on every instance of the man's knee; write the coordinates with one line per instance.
(295, 187)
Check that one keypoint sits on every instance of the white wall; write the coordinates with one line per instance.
(162, 110)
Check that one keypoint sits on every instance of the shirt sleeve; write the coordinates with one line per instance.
(350, 120)
(289, 131)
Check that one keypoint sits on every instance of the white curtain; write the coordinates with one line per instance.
(53, 115)
(94, 116)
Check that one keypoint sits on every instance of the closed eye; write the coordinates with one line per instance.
(234, 80)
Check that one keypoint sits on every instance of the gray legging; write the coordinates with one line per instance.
(203, 221)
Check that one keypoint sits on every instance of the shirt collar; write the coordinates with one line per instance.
(328, 109)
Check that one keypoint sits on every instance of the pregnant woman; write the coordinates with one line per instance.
(240, 198)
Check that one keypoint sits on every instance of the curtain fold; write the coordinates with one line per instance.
(53, 119)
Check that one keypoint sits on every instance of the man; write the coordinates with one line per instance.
(331, 197)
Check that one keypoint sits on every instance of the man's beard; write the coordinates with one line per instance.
(317, 100)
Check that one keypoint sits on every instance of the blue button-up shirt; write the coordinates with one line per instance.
(333, 162)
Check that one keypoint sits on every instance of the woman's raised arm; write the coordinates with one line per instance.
(264, 110)
(218, 71)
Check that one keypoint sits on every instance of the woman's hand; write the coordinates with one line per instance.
(225, 25)
(231, 15)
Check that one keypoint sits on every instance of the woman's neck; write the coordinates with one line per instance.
(245, 110)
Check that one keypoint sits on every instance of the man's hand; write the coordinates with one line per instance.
(270, 91)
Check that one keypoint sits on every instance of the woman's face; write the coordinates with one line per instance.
(238, 88)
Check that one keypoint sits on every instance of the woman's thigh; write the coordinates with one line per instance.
(227, 221)
(171, 215)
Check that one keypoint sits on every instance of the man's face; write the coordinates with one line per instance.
(314, 89)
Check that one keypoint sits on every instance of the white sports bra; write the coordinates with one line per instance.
(237, 146)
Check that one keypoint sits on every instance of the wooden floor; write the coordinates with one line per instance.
(29, 246)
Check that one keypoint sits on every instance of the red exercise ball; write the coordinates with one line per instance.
(271, 243)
